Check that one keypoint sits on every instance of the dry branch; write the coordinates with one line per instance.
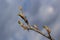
(34, 27)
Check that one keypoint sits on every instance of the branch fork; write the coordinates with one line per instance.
(34, 27)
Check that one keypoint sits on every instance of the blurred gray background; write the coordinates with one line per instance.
(40, 12)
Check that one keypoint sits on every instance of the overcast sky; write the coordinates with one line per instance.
(40, 12)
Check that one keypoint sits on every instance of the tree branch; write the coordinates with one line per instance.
(34, 28)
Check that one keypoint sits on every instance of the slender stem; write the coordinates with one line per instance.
(29, 27)
(50, 36)
(38, 31)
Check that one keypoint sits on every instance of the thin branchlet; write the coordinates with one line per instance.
(35, 28)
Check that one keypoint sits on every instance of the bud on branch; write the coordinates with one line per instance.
(47, 29)
(23, 17)
(22, 25)
(36, 27)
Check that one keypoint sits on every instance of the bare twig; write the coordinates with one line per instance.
(22, 15)
(34, 28)
(48, 31)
